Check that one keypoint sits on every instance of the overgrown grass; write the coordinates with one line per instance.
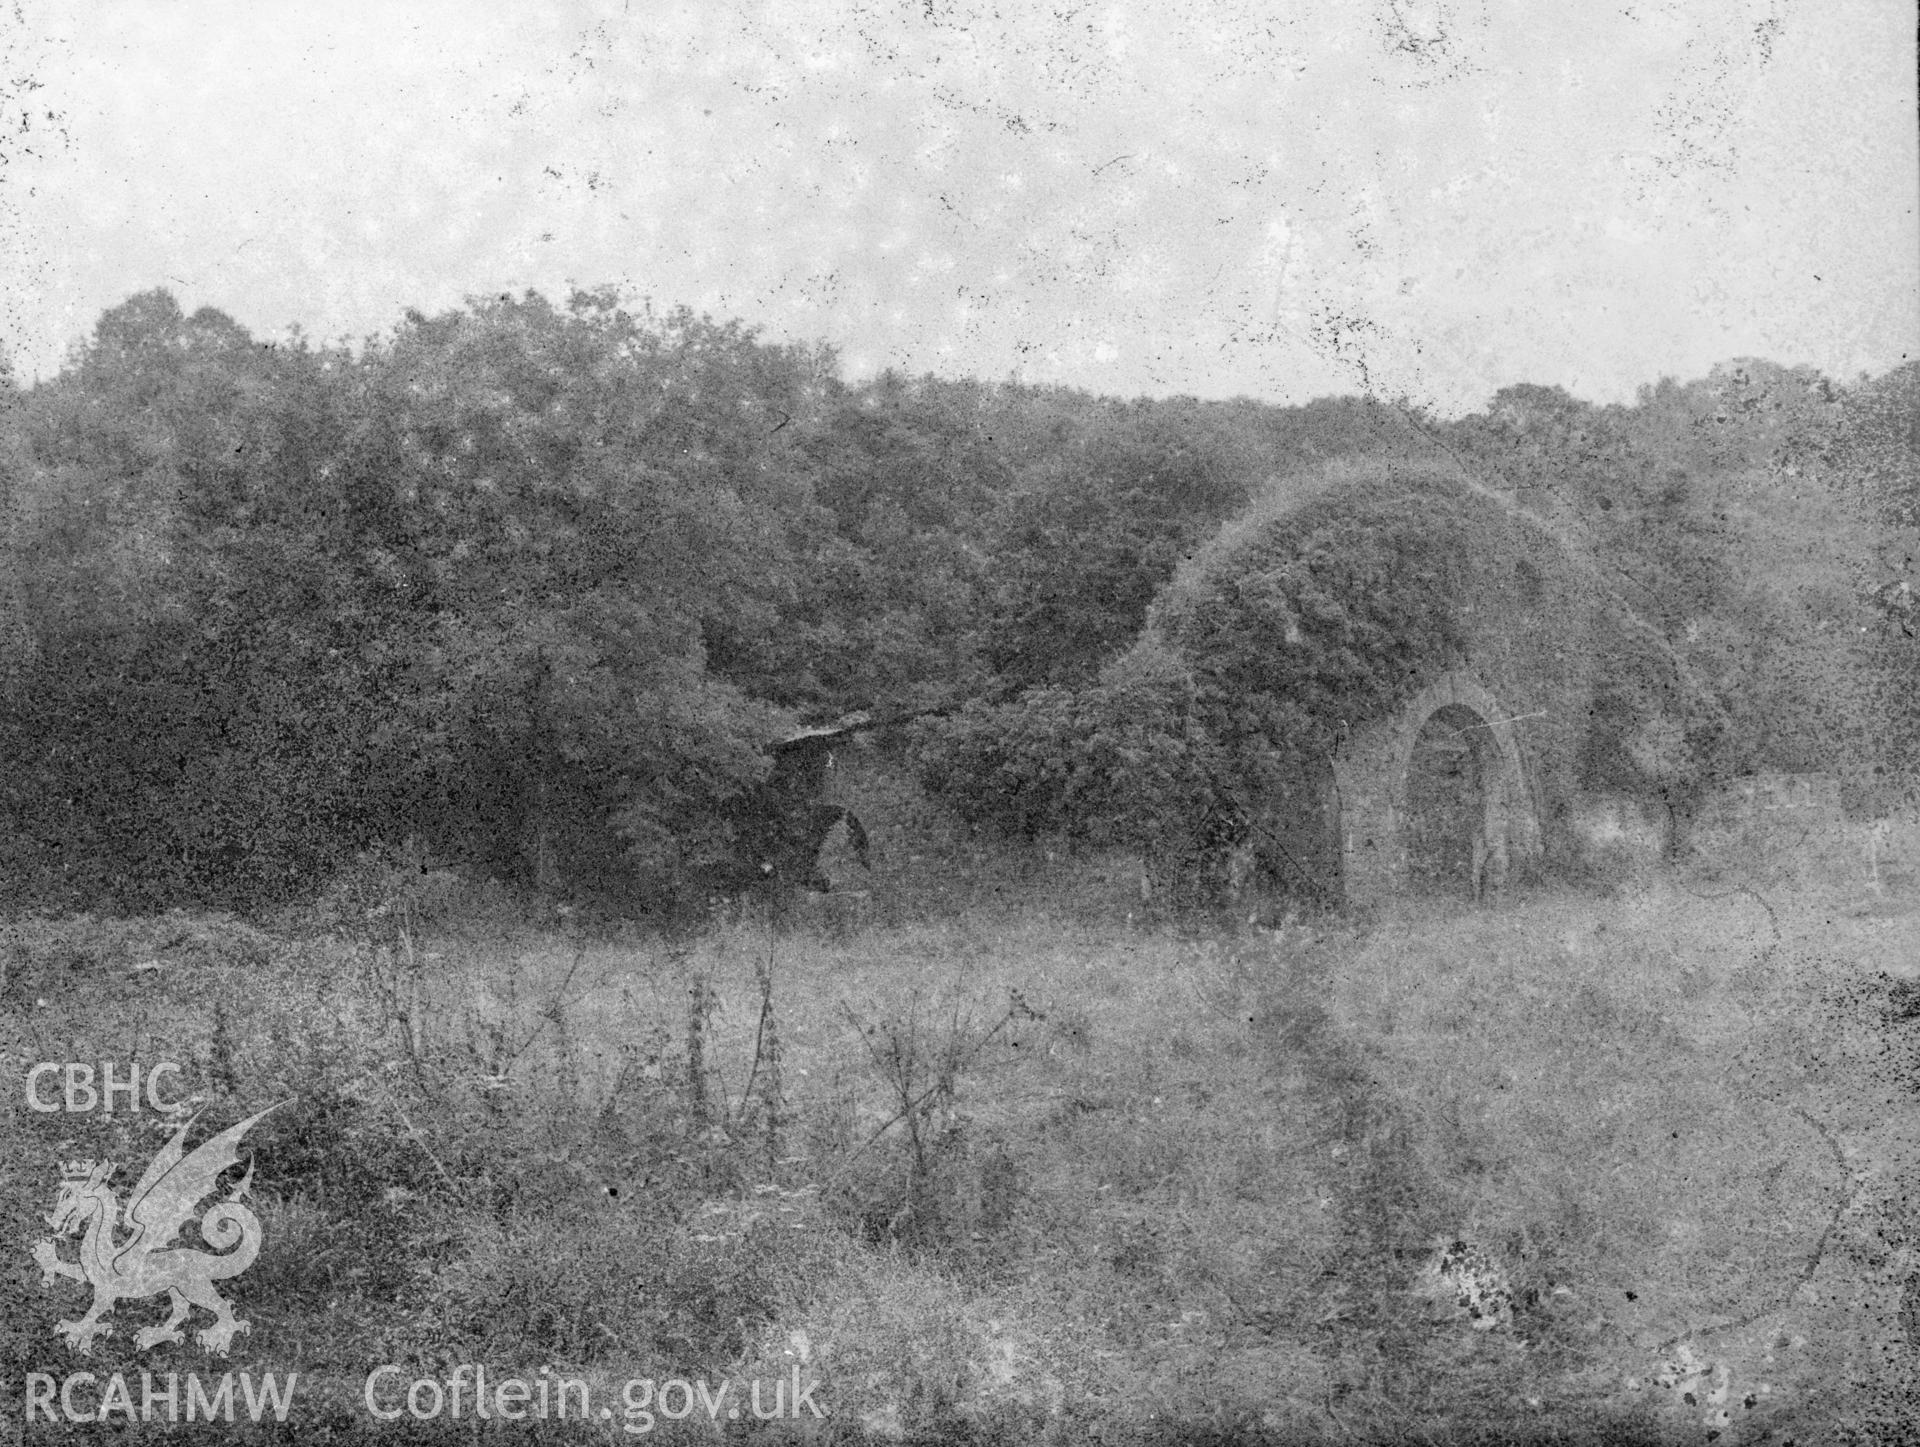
(1007, 1177)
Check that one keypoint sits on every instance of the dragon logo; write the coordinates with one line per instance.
(146, 1263)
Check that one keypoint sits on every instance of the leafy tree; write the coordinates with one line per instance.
(124, 741)
(466, 585)
(889, 611)
(1095, 528)
(1722, 509)
(607, 510)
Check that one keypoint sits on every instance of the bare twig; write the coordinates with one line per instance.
(413, 1132)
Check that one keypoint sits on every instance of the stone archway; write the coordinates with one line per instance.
(1445, 824)
(1436, 797)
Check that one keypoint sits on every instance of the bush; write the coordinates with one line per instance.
(1113, 764)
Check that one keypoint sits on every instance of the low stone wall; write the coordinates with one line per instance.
(1798, 824)
(1788, 800)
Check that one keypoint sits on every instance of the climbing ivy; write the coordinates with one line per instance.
(1328, 605)
(1324, 607)
(1333, 600)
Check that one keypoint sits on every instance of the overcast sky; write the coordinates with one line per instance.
(1279, 199)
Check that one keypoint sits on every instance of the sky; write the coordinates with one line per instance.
(1280, 200)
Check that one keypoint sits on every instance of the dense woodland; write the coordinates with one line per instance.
(535, 586)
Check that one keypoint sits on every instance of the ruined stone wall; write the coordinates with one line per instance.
(1526, 677)
(1511, 666)
(1773, 798)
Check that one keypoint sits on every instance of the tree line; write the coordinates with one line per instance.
(536, 584)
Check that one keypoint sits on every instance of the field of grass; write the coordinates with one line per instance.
(1634, 1168)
